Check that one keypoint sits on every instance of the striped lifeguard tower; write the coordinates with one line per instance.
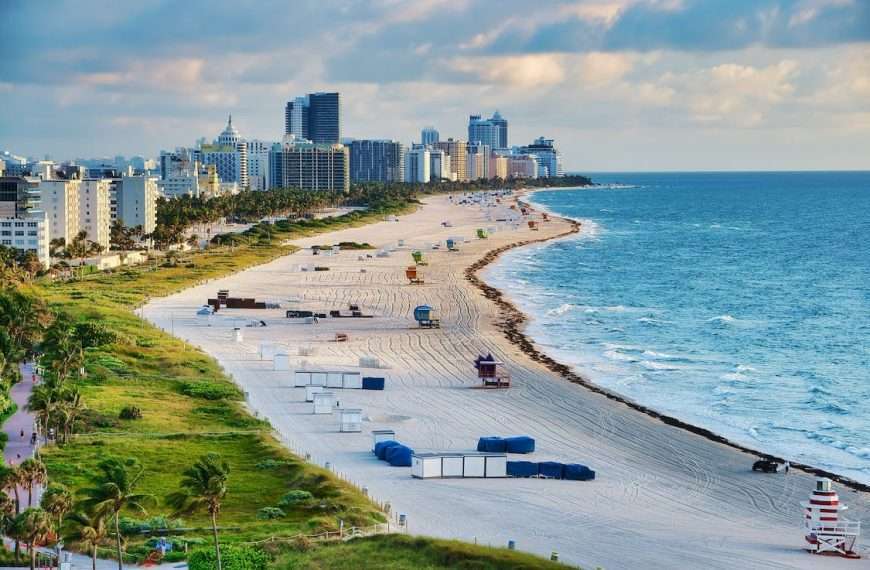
(824, 530)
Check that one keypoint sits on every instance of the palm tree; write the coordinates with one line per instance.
(33, 473)
(33, 527)
(203, 486)
(88, 531)
(8, 510)
(10, 480)
(57, 501)
(115, 490)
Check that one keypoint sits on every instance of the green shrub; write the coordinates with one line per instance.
(174, 556)
(270, 513)
(130, 413)
(232, 558)
(208, 391)
(294, 498)
(271, 464)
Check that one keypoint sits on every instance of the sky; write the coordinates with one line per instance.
(624, 85)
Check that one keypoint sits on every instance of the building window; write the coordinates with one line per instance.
(19, 233)
(32, 233)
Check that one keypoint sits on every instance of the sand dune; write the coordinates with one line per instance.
(664, 498)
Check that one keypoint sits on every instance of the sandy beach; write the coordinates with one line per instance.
(663, 497)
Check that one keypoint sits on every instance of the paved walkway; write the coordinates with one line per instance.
(19, 448)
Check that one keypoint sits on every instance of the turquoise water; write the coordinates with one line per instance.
(739, 302)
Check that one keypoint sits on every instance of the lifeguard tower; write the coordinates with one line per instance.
(824, 530)
(418, 257)
(414, 275)
(492, 373)
(426, 317)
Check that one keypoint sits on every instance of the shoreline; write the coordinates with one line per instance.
(649, 472)
(512, 323)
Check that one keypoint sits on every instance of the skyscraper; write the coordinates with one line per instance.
(429, 136)
(309, 166)
(229, 154)
(376, 161)
(456, 150)
(417, 164)
(492, 132)
(315, 117)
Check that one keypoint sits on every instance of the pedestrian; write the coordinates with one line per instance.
(22, 434)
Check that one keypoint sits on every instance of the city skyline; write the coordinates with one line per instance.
(622, 85)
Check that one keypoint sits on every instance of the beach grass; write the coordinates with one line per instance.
(403, 552)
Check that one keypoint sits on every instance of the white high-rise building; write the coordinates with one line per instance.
(27, 233)
(136, 202)
(417, 164)
(439, 165)
(59, 199)
(94, 210)
(258, 164)
(477, 162)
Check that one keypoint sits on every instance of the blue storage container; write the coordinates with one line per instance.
(369, 383)
(577, 472)
(399, 455)
(382, 446)
(519, 444)
(550, 469)
(522, 469)
(491, 444)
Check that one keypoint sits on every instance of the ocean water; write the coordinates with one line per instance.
(739, 302)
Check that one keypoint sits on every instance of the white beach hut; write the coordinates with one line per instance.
(458, 464)
(369, 362)
(324, 402)
(237, 333)
(350, 420)
(310, 391)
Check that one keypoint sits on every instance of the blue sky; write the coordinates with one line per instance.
(620, 84)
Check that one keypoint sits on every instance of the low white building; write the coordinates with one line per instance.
(29, 233)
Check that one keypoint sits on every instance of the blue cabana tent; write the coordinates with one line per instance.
(491, 444)
(399, 455)
(369, 383)
(577, 472)
(522, 469)
(550, 469)
(382, 446)
(519, 444)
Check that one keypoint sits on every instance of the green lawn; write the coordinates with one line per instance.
(152, 370)
(402, 552)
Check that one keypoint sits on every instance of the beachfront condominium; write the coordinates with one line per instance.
(59, 199)
(135, 201)
(377, 161)
(179, 173)
(229, 154)
(429, 136)
(258, 164)
(27, 232)
(477, 161)
(95, 216)
(498, 166)
(548, 157)
(417, 164)
(310, 166)
(315, 117)
(457, 151)
(492, 132)
(439, 165)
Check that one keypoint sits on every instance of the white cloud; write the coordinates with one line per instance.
(523, 71)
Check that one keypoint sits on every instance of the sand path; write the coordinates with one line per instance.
(664, 498)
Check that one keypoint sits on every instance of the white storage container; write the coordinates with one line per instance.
(350, 420)
(352, 380)
(473, 466)
(496, 466)
(317, 379)
(379, 435)
(237, 332)
(426, 466)
(301, 378)
(451, 466)
(310, 391)
(334, 380)
(324, 402)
